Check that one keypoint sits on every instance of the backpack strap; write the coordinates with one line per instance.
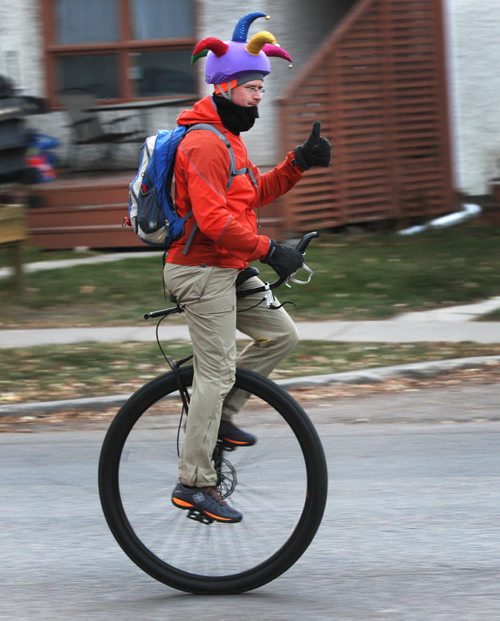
(233, 171)
(189, 240)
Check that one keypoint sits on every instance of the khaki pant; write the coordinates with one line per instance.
(208, 297)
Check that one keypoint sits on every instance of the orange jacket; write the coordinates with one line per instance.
(227, 235)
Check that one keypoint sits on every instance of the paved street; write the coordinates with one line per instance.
(411, 529)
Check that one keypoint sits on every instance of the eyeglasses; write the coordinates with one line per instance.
(255, 89)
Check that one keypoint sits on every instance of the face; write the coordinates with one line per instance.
(248, 94)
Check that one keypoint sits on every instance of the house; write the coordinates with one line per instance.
(406, 89)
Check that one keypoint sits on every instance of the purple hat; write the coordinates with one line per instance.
(230, 60)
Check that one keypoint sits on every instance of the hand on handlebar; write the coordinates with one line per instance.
(283, 259)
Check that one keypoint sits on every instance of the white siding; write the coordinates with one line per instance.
(21, 45)
(474, 78)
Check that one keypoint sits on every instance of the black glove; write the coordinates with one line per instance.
(284, 260)
(316, 150)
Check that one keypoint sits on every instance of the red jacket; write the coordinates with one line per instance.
(227, 235)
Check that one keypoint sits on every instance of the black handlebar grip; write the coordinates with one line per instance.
(161, 313)
(305, 241)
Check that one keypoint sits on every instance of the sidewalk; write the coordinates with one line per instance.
(400, 330)
(452, 325)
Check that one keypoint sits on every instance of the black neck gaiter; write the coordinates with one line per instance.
(235, 118)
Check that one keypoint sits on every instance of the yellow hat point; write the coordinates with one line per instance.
(258, 41)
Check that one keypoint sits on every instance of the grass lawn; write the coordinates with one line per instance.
(92, 369)
(367, 276)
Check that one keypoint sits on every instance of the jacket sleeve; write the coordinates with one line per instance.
(279, 180)
(207, 178)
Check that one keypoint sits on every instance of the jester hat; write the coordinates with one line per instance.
(229, 60)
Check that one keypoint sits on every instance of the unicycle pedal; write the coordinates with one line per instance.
(225, 446)
(198, 516)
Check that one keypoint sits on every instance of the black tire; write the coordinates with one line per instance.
(280, 487)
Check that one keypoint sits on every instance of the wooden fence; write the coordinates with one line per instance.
(378, 85)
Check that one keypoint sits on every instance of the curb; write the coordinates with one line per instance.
(418, 370)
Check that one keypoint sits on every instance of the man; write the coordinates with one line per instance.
(223, 240)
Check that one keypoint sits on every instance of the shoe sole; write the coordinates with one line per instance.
(184, 504)
(236, 442)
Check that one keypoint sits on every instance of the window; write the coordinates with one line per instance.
(120, 49)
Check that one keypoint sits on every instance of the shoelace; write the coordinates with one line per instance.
(216, 496)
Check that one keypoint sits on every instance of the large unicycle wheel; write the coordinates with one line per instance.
(279, 484)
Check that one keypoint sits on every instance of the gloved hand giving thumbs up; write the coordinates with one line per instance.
(316, 150)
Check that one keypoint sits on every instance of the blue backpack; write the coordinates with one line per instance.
(151, 206)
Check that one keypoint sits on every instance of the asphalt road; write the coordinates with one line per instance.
(411, 531)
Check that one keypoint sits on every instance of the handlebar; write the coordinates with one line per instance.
(301, 247)
(267, 287)
(306, 240)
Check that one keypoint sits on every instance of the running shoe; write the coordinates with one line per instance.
(231, 434)
(205, 500)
